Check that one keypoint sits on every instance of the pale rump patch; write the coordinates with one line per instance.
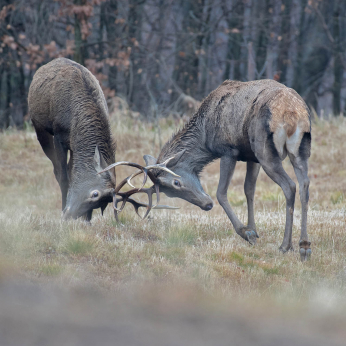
(287, 110)
(284, 143)
(280, 138)
(290, 120)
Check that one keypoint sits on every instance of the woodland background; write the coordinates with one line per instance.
(151, 52)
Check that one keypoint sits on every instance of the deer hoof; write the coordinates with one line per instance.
(285, 249)
(305, 251)
(251, 237)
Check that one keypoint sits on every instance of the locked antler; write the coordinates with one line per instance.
(126, 196)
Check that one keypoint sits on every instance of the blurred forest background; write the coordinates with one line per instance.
(153, 53)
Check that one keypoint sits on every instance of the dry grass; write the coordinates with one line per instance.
(187, 246)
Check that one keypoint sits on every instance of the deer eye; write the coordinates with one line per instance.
(176, 183)
(95, 194)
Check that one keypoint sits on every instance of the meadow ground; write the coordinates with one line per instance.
(186, 256)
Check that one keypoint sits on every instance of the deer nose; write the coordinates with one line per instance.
(209, 206)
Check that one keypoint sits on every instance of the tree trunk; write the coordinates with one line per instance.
(188, 46)
(245, 59)
(338, 68)
(205, 56)
(262, 42)
(284, 42)
(79, 53)
(109, 13)
(274, 34)
(297, 81)
(251, 65)
(233, 56)
(293, 49)
(135, 87)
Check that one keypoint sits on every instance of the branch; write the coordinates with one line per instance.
(329, 35)
(15, 40)
(324, 24)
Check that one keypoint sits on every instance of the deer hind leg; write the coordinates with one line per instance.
(249, 189)
(275, 171)
(227, 166)
(299, 160)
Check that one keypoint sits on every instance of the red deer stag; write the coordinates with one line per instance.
(69, 113)
(260, 122)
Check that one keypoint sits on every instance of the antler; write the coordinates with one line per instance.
(125, 196)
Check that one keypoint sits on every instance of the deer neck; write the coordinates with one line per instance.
(191, 138)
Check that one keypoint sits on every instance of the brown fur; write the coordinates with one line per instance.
(226, 113)
(259, 122)
(69, 113)
(288, 109)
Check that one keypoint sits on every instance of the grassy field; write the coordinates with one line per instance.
(187, 248)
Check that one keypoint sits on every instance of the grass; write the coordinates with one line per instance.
(187, 245)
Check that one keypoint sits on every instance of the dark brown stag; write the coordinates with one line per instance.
(69, 113)
(260, 122)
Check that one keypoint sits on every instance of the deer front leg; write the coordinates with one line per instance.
(61, 169)
(227, 166)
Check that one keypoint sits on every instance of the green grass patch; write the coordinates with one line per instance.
(78, 247)
(51, 270)
(175, 255)
(181, 236)
(270, 196)
(271, 271)
(235, 200)
(337, 197)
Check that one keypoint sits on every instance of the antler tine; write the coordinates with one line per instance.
(122, 163)
(128, 179)
(157, 191)
(138, 205)
(144, 205)
(150, 200)
(124, 197)
(149, 191)
(163, 167)
(115, 203)
(131, 164)
(134, 175)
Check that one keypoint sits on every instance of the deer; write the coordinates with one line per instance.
(69, 112)
(259, 122)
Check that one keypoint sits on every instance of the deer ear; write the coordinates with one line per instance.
(149, 160)
(176, 158)
(99, 162)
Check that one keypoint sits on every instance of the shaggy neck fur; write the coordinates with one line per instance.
(91, 128)
(191, 138)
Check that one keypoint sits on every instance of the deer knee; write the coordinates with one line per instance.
(221, 197)
(306, 184)
(304, 189)
(249, 189)
(290, 193)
